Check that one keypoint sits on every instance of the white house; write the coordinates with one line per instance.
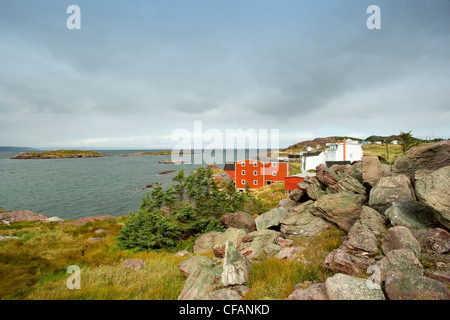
(394, 142)
(347, 150)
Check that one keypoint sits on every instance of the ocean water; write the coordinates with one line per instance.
(76, 188)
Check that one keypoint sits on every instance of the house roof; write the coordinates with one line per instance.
(229, 166)
(265, 159)
(312, 154)
(330, 163)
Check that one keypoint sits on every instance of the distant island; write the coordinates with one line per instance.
(58, 154)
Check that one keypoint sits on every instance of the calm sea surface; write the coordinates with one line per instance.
(76, 188)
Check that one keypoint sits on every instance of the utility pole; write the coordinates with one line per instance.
(387, 151)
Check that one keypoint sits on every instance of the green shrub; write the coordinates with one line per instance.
(192, 206)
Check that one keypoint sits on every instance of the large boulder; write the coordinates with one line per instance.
(313, 187)
(367, 231)
(239, 220)
(341, 208)
(252, 245)
(433, 190)
(431, 157)
(302, 223)
(315, 291)
(326, 175)
(348, 262)
(22, 215)
(229, 293)
(348, 183)
(271, 218)
(415, 288)
(188, 266)
(441, 276)
(391, 189)
(399, 263)
(400, 238)
(372, 170)
(357, 171)
(202, 281)
(435, 241)
(360, 237)
(236, 267)
(345, 287)
(204, 242)
(374, 221)
(411, 214)
(231, 234)
(288, 204)
(296, 195)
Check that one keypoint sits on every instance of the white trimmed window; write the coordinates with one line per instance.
(274, 173)
(255, 173)
(255, 164)
(274, 164)
(255, 182)
(243, 163)
(243, 181)
(243, 172)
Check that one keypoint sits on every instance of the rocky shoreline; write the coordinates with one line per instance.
(396, 219)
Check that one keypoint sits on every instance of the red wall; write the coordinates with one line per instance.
(249, 175)
(231, 173)
(281, 170)
(290, 183)
(245, 170)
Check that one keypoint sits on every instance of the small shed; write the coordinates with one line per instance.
(290, 182)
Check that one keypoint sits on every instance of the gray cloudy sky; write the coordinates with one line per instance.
(138, 70)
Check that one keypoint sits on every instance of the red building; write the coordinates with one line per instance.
(256, 173)
(290, 182)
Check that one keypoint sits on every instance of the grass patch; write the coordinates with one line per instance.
(160, 279)
(270, 195)
(275, 279)
(295, 168)
(34, 267)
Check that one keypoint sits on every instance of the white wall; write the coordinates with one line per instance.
(353, 152)
(310, 163)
